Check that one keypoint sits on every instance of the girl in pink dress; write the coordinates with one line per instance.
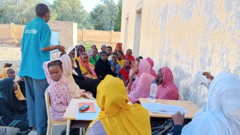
(166, 87)
(61, 89)
(140, 88)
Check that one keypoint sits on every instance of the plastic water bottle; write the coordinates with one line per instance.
(153, 91)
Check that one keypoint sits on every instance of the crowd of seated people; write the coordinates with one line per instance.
(78, 74)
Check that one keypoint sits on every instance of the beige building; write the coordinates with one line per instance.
(185, 35)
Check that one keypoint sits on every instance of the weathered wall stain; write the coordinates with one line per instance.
(188, 36)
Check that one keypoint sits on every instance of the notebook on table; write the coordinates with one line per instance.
(91, 108)
(89, 115)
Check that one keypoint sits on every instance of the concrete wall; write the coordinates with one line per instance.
(98, 37)
(69, 34)
(66, 32)
(5, 31)
(187, 36)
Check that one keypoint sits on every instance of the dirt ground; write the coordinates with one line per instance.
(10, 53)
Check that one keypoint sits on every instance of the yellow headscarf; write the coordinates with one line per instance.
(117, 116)
(18, 92)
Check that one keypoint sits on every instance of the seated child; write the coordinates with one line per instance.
(120, 58)
(86, 67)
(58, 89)
(8, 72)
(6, 65)
(94, 57)
(125, 71)
(131, 71)
(115, 65)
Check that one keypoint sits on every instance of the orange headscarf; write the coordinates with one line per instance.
(119, 45)
(18, 92)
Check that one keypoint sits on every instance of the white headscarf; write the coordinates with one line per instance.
(68, 52)
(221, 115)
(74, 90)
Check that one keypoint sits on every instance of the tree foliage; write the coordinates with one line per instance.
(119, 17)
(18, 11)
(104, 15)
(72, 11)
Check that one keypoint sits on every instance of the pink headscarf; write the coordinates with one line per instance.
(87, 65)
(151, 62)
(168, 89)
(55, 86)
(141, 86)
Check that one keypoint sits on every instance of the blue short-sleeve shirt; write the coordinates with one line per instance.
(118, 67)
(36, 35)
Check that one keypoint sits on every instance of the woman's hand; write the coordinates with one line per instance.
(62, 53)
(84, 96)
(20, 80)
(208, 75)
(178, 119)
(85, 73)
(87, 92)
(89, 77)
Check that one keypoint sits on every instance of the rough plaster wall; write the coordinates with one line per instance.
(65, 30)
(190, 36)
(129, 8)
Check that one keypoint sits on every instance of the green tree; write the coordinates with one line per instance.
(18, 11)
(72, 11)
(119, 17)
(104, 15)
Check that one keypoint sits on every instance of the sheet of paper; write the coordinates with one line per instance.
(153, 106)
(171, 109)
(175, 109)
(87, 116)
(203, 80)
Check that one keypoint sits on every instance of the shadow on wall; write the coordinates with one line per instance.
(197, 36)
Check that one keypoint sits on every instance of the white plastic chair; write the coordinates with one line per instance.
(51, 122)
(180, 97)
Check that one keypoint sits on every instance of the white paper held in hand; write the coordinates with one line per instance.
(203, 79)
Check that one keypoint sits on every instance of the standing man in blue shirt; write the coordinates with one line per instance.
(35, 51)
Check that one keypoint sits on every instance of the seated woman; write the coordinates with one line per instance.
(129, 55)
(86, 67)
(20, 92)
(118, 47)
(84, 82)
(151, 62)
(117, 116)
(58, 89)
(221, 114)
(132, 66)
(140, 88)
(79, 49)
(103, 67)
(12, 113)
(166, 87)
